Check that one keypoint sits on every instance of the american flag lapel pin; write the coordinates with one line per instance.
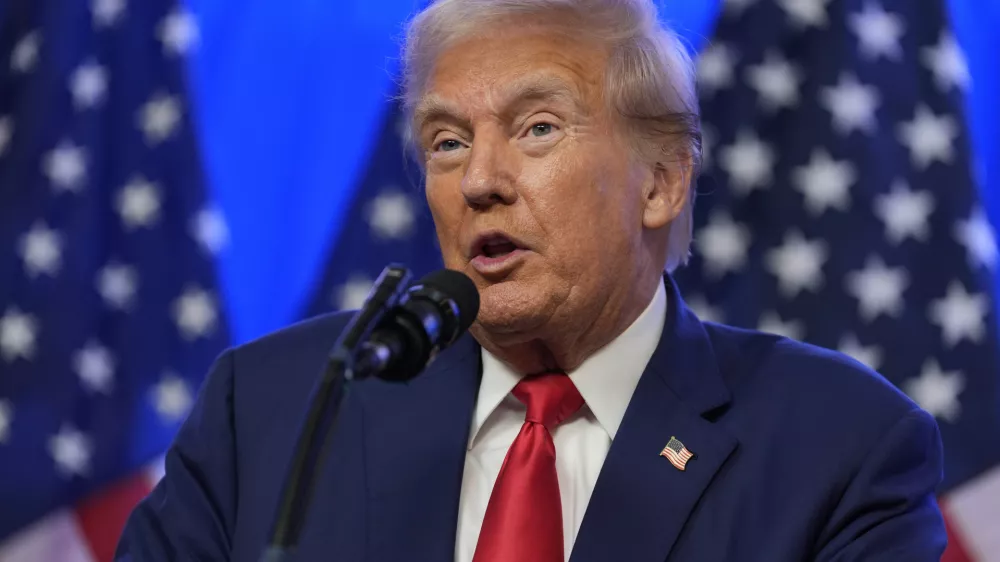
(676, 453)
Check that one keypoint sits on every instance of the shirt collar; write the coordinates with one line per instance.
(606, 379)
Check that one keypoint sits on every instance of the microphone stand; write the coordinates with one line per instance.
(320, 422)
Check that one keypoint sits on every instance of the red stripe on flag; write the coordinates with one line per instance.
(956, 551)
(101, 517)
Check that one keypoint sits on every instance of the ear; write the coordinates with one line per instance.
(668, 193)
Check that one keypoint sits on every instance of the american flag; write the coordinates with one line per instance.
(388, 221)
(838, 206)
(109, 315)
(677, 453)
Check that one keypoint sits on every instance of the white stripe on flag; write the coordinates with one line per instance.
(974, 508)
(55, 538)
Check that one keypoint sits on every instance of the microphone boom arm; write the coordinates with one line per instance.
(320, 422)
(397, 332)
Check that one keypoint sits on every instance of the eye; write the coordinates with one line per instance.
(448, 145)
(541, 129)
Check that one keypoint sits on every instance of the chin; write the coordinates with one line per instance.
(511, 308)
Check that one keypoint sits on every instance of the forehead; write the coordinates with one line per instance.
(489, 72)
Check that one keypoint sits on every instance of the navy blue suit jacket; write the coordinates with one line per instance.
(801, 454)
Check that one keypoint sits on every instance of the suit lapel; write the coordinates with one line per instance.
(415, 437)
(641, 501)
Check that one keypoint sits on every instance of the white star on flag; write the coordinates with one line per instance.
(947, 61)
(353, 293)
(906, 213)
(6, 132)
(878, 31)
(806, 13)
(41, 250)
(878, 288)
(869, 355)
(195, 313)
(825, 183)
(172, 398)
(89, 85)
(391, 215)
(722, 244)
(852, 105)
(24, 56)
(936, 391)
(929, 137)
(798, 264)
(66, 167)
(749, 162)
(703, 310)
(159, 118)
(71, 450)
(6, 416)
(979, 239)
(209, 228)
(95, 366)
(960, 315)
(18, 332)
(771, 323)
(776, 82)
(138, 203)
(715, 68)
(117, 285)
(179, 32)
(107, 12)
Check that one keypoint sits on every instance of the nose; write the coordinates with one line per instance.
(490, 176)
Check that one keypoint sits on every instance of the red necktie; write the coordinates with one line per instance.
(523, 521)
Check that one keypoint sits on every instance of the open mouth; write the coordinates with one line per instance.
(498, 247)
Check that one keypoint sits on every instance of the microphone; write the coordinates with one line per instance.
(394, 335)
(429, 317)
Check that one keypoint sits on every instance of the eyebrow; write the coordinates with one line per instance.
(531, 88)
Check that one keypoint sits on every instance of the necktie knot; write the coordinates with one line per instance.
(549, 397)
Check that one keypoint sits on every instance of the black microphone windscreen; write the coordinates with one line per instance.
(460, 289)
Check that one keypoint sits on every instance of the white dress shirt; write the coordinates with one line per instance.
(606, 381)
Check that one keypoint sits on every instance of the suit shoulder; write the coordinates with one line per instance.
(755, 362)
(306, 343)
(273, 377)
(303, 331)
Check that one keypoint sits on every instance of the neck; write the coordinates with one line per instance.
(564, 343)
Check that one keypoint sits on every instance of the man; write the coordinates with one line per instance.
(590, 415)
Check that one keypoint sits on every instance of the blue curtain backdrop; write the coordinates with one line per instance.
(290, 98)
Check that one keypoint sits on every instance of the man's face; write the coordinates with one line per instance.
(533, 193)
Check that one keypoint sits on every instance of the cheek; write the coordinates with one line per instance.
(579, 188)
(588, 205)
(447, 209)
(568, 203)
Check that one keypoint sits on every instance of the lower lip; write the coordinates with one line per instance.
(497, 264)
